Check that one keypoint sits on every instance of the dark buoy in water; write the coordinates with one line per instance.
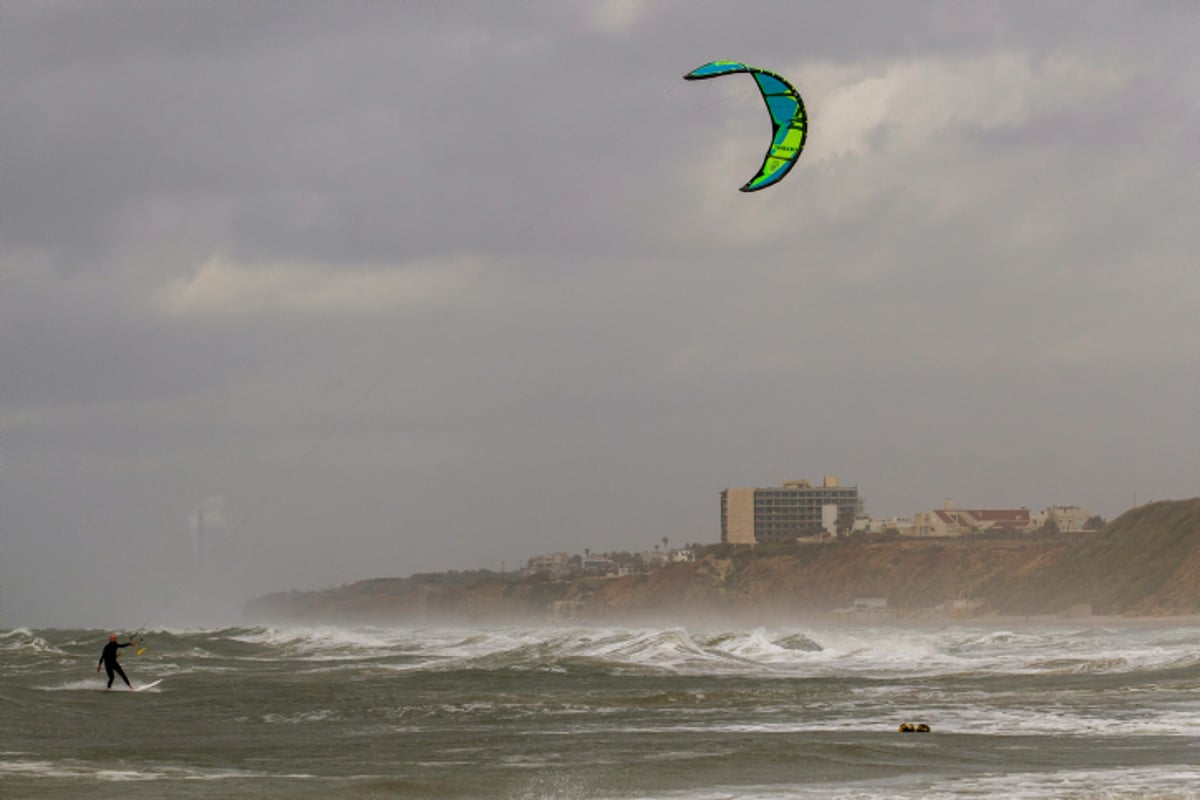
(920, 727)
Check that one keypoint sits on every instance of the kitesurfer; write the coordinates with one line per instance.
(109, 659)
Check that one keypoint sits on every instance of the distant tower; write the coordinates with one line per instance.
(200, 550)
(206, 523)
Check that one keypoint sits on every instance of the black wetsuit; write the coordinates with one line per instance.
(109, 659)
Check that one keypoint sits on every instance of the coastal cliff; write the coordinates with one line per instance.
(1144, 563)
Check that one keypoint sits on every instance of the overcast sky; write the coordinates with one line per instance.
(384, 288)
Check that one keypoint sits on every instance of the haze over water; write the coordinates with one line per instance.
(598, 713)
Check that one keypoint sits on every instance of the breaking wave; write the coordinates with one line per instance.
(812, 652)
(865, 652)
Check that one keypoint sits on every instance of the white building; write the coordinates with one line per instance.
(951, 521)
(557, 565)
(1069, 519)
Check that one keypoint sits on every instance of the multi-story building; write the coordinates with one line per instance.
(781, 513)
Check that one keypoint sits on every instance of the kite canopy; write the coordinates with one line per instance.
(787, 116)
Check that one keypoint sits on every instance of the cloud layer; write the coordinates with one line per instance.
(422, 287)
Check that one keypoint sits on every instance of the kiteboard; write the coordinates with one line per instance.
(121, 690)
(141, 688)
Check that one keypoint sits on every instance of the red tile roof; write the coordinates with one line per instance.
(1015, 517)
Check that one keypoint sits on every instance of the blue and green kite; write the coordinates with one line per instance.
(787, 116)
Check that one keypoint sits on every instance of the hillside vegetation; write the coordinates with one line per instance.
(1144, 563)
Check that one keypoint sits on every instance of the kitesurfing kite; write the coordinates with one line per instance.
(787, 116)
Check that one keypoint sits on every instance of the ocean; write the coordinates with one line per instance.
(597, 713)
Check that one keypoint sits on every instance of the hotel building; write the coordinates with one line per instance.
(782, 513)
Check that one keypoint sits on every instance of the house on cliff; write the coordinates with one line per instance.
(555, 565)
(951, 521)
(1067, 519)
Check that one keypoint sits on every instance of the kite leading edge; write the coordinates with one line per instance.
(787, 116)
